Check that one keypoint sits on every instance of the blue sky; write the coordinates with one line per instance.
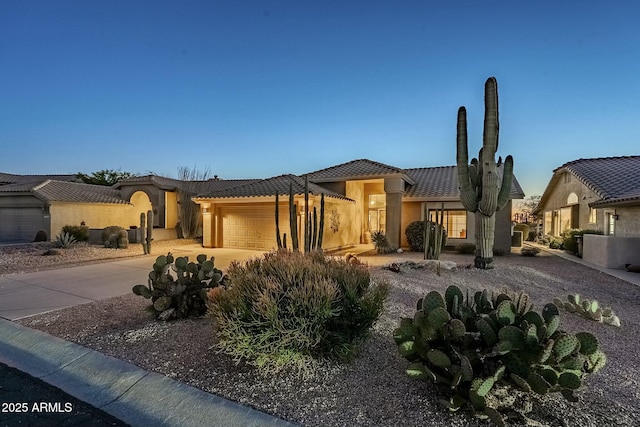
(253, 89)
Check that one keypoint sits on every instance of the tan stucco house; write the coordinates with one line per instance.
(601, 194)
(361, 196)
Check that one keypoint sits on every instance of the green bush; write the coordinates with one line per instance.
(569, 242)
(531, 237)
(486, 349)
(287, 308)
(79, 232)
(415, 236)
(555, 243)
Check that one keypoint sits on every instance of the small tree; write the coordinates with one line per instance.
(106, 177)
(525, 208)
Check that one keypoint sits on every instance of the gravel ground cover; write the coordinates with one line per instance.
(373, 390)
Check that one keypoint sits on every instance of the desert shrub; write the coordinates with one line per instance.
(531, 237)
(466, 248)
(569, 242)
(115, 237)
(492, 352)
(79, 232)
(41, 236)
(381, 243)
(287, 308)
(184, 295)
(65, 240)
(555, 243)
(415, 236)
(522, 227)
(529, 251)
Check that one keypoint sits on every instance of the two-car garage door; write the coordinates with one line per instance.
(252, 227)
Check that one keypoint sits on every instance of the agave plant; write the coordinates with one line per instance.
(65, 240)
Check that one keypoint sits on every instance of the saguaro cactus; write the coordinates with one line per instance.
(480, 189)
(149, 238)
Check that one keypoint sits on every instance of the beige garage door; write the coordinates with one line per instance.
(252, 228)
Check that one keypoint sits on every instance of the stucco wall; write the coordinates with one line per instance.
(356, 191)
(628, 223)
(93, 215)
(341, 227)
(611, 251)
(558, 198)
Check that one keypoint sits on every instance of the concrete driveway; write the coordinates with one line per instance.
(23, 295)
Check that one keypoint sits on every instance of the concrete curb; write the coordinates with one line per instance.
(131, 394)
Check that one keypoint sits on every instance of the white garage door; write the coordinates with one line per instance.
(252, 228)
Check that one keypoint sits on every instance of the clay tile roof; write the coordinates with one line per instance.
(215, 185)
(608, 177)
(361, 168)
(60, 191)
(159, 181)
(7, 178)
(271, 186)
(442, 183)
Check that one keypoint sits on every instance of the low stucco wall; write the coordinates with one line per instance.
(611, 251)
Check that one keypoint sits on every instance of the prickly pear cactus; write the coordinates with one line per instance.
(589, 309)
(482, 349)
(178, 288)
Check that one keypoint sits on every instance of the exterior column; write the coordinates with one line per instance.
(394, 189)
(207, 229)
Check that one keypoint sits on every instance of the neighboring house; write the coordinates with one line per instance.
(361, 196)
(601, 194)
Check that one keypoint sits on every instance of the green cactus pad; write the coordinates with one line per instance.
(482, 386)
(142, 290)
(456, 329)
(531, 336)
(552, 326)
(516, 365)
(558, 302)
(571, 308)
(546, 352)
(502, 347)
(201, 258)
(438, 317)
(451, 292)
(432, 301)
(207, 266)
(479, 402)
(569, 380)
(549, 311)
(161, 261)
(550, 376)
(538, 383)
(407, 349)
(506, 312)
(568, 394)
(405, 332)
(574, 299)
(162, 303)
(520, 383)
(588, 342)
(565, 345)
(466, 369)
(574, 363)
(597, 360)
(438, 358)
(513, 335)
(181, 263)
(487, 332)
(417, 371)
(533, 318)
(494, 416)
(192, 268)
